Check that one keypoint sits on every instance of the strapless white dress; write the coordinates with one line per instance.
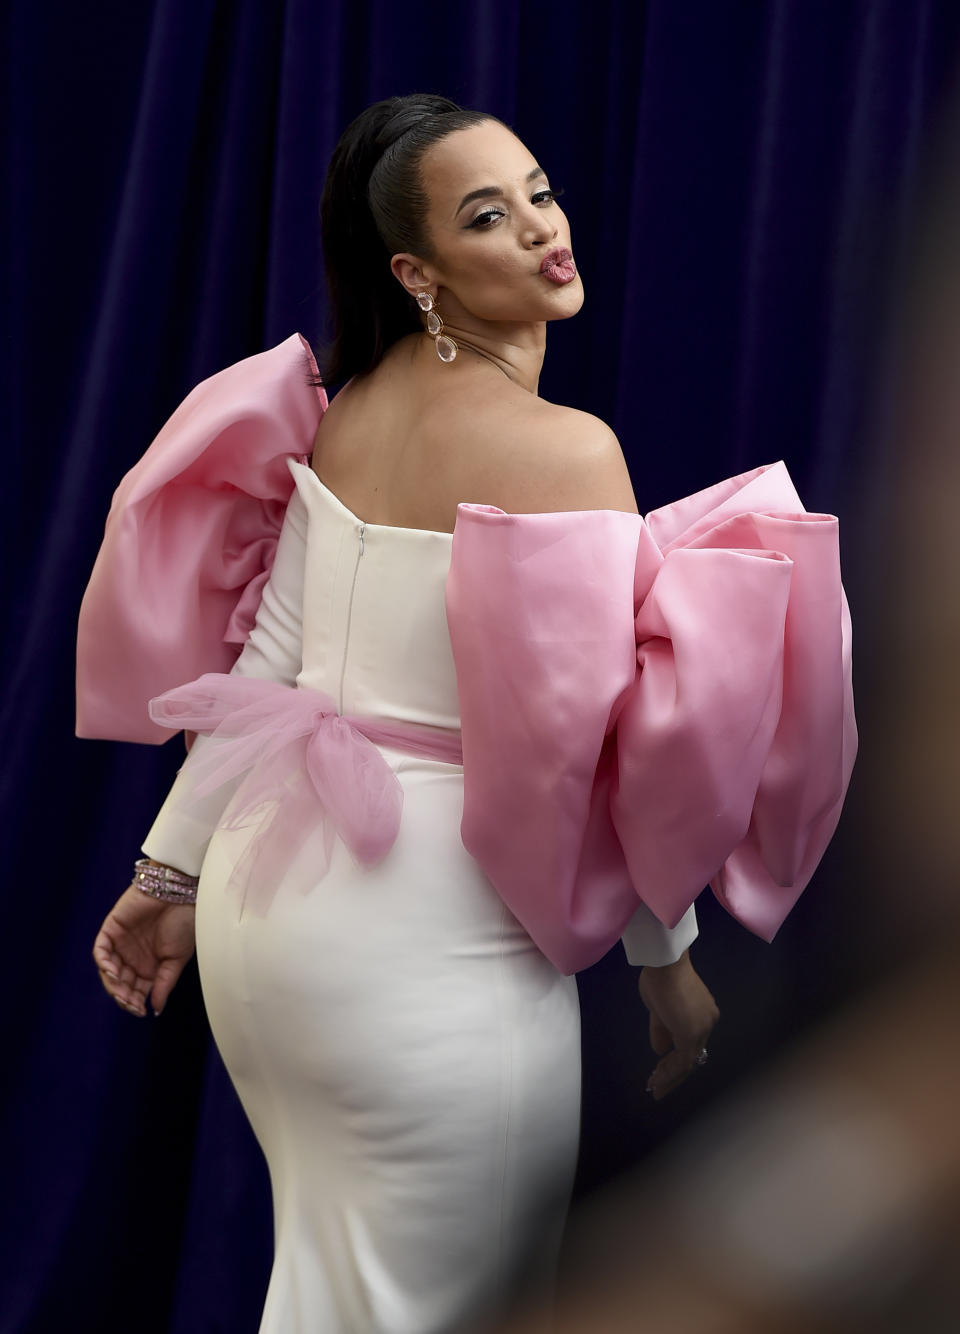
(408, 1059)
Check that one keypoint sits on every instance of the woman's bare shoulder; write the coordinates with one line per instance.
(528, 455)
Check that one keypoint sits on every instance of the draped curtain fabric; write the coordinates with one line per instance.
(741, 180)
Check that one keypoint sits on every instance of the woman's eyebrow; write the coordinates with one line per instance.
(491, 191)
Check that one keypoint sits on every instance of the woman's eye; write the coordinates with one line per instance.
(482, 220)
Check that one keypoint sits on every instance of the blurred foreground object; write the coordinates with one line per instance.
(826, 1197)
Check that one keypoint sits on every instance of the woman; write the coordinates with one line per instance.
(401, 1021)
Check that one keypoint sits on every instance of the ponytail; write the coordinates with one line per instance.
(373, 207)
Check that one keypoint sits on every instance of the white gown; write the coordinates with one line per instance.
(408, 1059)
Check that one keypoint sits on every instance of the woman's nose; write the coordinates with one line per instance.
(541, 228)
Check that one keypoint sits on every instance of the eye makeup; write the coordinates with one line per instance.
(548, 196)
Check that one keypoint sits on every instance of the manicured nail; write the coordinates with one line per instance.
(114, 976)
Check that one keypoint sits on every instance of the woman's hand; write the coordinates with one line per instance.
(682, 1017)
(142, 947)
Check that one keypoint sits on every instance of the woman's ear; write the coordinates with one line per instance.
(409, 273)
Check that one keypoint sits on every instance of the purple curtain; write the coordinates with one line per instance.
(742, 181)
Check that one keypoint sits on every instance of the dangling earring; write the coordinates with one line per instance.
(446, 347)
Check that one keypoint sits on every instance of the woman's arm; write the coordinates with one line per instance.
(144, 943)
(274, 652)
(682, 1010)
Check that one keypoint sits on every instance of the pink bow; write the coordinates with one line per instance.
(310, 772)
(651, 705)
(190, 540)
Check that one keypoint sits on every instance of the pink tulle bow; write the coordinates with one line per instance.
(308, 772)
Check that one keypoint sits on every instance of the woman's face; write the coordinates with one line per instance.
(488, 249)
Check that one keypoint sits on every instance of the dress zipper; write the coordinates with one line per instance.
(346, 645)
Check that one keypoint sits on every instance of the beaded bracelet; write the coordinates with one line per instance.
(164, 882)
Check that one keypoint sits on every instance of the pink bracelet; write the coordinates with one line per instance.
(164, 882)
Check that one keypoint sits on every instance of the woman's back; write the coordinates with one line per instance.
(374, 633)
(407, 443)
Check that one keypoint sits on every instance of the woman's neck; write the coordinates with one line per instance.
(518, 356)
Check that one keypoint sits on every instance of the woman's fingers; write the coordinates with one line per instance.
(683, 1015)
(108, 964)
(671, 1071)
(134, 990)
(119, 979)
(141, 989)
(129, 998)
(167, 975)
(105, 957)
(667, 1074)
(128, 992)
(129, 995)
(679, 1063)
(660, 1038)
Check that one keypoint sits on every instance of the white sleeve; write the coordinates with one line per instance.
(647, 941)
(273, 651)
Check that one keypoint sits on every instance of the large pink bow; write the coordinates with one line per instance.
(190, 540)
(651, 705)
(308, 772)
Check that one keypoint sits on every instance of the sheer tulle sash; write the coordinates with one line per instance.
(303, 774)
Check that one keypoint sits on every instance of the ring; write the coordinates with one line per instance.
(702, 1056)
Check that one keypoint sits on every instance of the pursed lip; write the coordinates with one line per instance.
(559, 256)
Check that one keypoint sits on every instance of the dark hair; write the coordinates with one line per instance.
(373, 207)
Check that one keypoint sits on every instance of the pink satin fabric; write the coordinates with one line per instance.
(307, 771)
(190, 540)
(651, 705)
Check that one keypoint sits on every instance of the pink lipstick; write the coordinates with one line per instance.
(558, 266)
